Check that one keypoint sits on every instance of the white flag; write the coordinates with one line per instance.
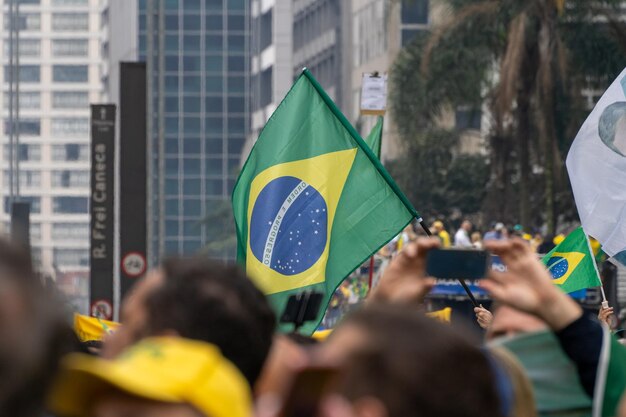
(596, 164)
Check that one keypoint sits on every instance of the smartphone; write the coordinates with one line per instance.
(302, 307)
(457, 263)
(308, 388)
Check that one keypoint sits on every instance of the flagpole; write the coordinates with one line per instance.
(461, 280)
(605, 302)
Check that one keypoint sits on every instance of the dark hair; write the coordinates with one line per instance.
(218, 304)
(417, 366)
(29, 359)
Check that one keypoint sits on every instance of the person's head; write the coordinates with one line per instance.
(437, 226)
(466, 225)
(499, 227)
(202, 300)
(207, 301)
(508, 322)
(134, 315)
(34, 334)
(476, 237)
(157, 377)
(612, 127)
(400, 363)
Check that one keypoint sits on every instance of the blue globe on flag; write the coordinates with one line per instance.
(558, 266)
(288, 226)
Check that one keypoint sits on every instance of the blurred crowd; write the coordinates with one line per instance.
(199, 339)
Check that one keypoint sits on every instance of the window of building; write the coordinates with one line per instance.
(236, 104)
(28, 179)
(414, 12)
(238, 22)
(26, 127)
(235, 145)
(70, 47)
(27, 73)
(266, 83)
(214, 63)
(35, 204)
(74, 126)
(191, 43)
(191, 22)
(70, 100)
(70, 21)
(171, 4)
(70, 205)
(70, 152)
(70, 179)
(214, 5)
(70, 73)
(25, 152)
(214, 104)
(214, 23)
(28, 48)
(71, 257)
(78, 231)
(467, 118)
(236, 5)
(236, 43)
(236, 64)
(214, 43)
(265, 22)
(191, 63)
(35, 231)
(27, 21)
(28, 100)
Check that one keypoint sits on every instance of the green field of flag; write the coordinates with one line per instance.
(313, 201)
(375, 139)
(572, 263)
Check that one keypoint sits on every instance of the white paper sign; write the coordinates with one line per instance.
(374, 94)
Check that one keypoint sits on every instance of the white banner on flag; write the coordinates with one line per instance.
(596, 164)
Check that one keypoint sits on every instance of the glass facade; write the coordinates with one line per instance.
(200, 82)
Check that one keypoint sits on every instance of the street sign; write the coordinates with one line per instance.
(102, 309)
(134, 264)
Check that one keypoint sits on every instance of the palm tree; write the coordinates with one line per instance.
(528, 62)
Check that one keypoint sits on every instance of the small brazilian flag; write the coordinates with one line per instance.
(312, 202)
(572, 263)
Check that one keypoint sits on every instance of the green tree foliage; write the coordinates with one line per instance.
(440, 182)
(526, 61)
(220, 231)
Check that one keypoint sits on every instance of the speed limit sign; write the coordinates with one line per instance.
(134, 264)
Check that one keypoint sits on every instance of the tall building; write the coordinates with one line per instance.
(197, 55)
(322, 43)
(272, 59)
(59, 75)
(288, 35)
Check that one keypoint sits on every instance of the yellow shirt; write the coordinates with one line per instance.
(445, 239)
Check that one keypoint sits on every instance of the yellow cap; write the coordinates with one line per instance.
(166, 369)
(438, 224)
(558, 239)
(322, 335)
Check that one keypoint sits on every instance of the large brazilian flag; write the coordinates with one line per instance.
(312, 202)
